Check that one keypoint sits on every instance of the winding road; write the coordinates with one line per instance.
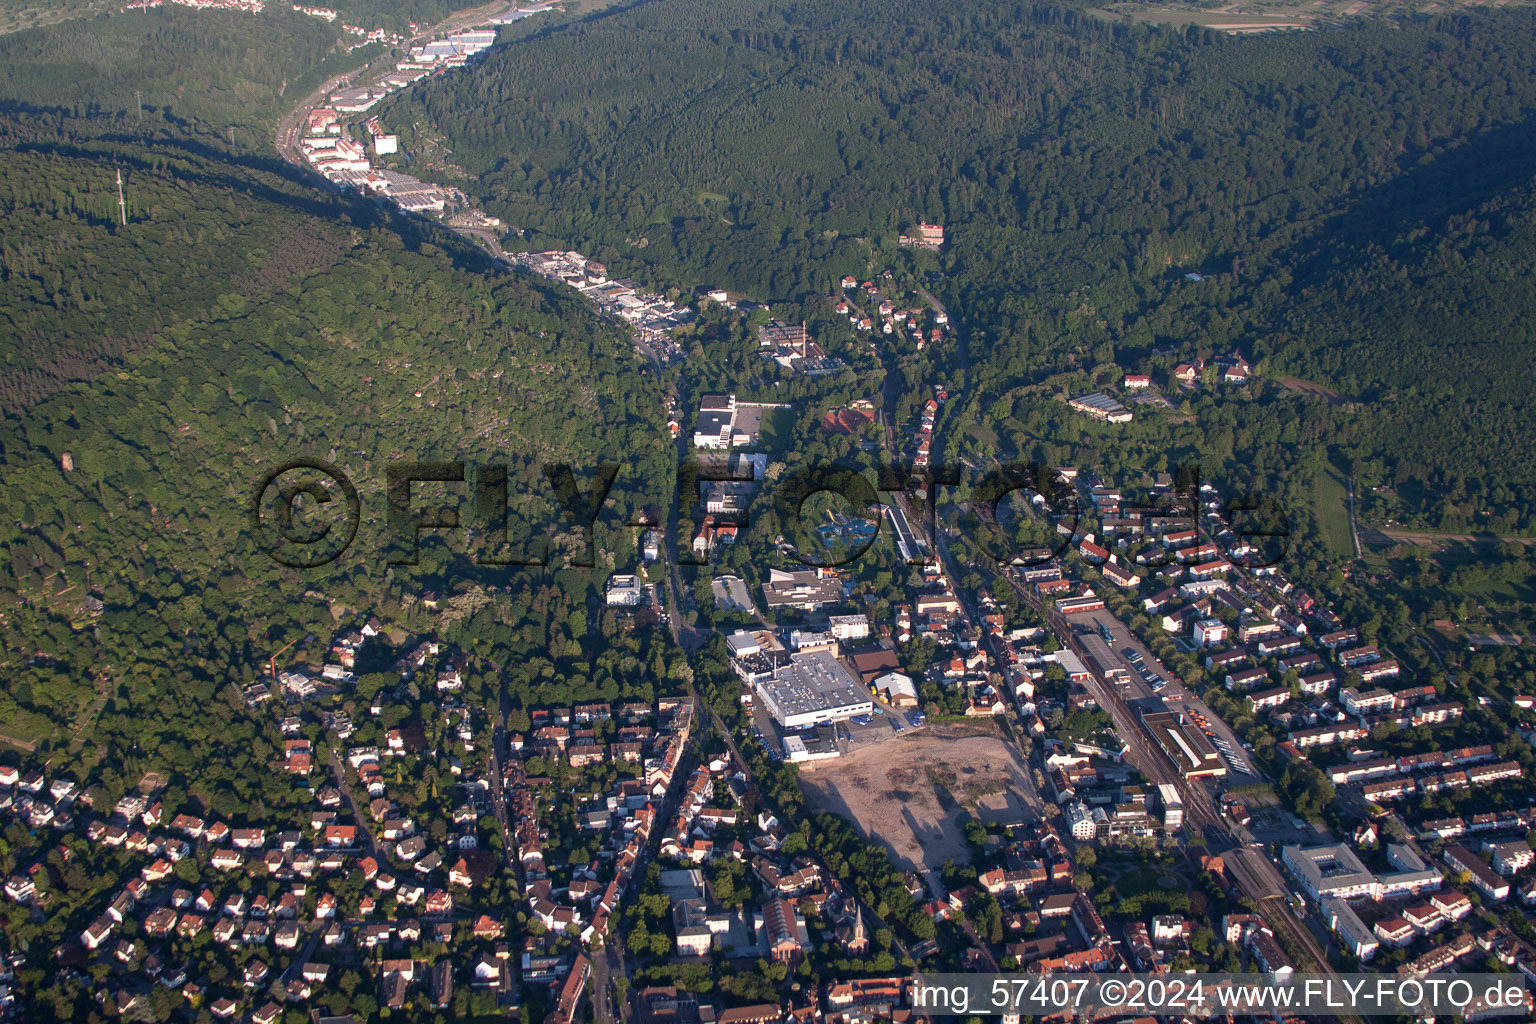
(291, 128)
(1253, 871)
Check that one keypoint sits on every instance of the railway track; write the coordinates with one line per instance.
(1264, 885)
(1278, 913)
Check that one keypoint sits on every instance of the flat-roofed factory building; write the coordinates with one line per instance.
(716, 424)
(813, 688)
(806, 590)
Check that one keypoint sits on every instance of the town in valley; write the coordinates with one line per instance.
(968, 703)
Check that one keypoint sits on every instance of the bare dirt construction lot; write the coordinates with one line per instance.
(915, 794)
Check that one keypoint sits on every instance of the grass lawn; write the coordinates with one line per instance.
(1330, 507)
(1146, 880)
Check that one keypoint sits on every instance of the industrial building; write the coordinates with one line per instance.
(811, 689)
(818, 744)
(896, 689)
(717, 414)
(1101, 407)
(755, 656)
(806, 590)
(725, 423)
(1102, 661)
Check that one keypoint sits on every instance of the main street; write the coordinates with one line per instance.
(291, 128)
(683, 632)
(500, 753)
(915, 514)
(690, 640)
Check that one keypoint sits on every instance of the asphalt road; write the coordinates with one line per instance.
(364, 829)
(291, 128)
(686, 637)
(1252, 870)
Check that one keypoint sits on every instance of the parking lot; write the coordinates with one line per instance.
(1151, 679)
(1216, 731)
(886, 724)
(731, 594)
(1274, 824)
(1146, 670)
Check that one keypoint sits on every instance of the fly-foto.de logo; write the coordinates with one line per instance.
(305, 513)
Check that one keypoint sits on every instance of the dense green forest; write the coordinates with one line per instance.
(16, 15)
(220, 67)
(241, 318)
(1417, 308)
(1082, 169)
(76, 280)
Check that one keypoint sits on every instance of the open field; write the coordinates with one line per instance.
(914, 794)
(1224, 20)
(1258, 16)
(1380, 536)
(24, 14)
(1311, 388)
(581, 8)
(1330, 507)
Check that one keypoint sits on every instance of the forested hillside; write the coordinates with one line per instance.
(76, 279)
(1081, 169)
(1418, 307)
(300, 324)
(18, 15)
(221, 67)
